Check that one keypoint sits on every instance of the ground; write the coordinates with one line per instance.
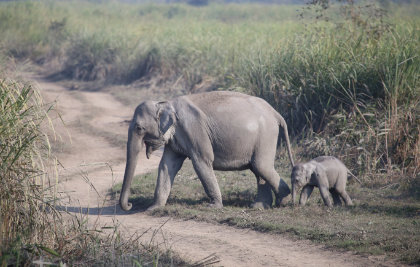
(90, 145)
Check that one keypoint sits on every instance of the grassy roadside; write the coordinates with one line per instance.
(384, 221)
(32, 229)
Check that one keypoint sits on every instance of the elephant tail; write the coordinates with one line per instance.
(354, 176)
(283, 125)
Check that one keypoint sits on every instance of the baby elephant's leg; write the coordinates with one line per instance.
(305, 194)
(336, 197)
(346, 197)
(325, 195)
(340, 188)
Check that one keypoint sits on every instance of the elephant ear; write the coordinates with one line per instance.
(166, 118)
(321, 175)
(310, 171)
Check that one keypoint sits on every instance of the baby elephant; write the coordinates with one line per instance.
(325, 172)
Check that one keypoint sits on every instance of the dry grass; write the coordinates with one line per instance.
(23, 200)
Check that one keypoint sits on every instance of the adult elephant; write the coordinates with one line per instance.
(217, 131)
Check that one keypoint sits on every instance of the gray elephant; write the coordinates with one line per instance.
(217, 131)
(327, 173)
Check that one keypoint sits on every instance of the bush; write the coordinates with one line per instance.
(90, 57)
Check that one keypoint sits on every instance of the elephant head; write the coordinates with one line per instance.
(153, 124)
(301, 175)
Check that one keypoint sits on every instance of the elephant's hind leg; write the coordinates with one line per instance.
(336, 197)
(264, 198)
(280, 188)
(208, 180)
(346, 197)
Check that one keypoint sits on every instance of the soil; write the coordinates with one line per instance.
(89, 143)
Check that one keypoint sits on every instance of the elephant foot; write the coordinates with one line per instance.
(216, 205)
(260, 205)
(153, 207)
(281, 202)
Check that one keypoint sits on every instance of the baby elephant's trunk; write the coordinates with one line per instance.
(293, 194)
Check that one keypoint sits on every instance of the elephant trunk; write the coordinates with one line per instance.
(294, 193)
(134, 145)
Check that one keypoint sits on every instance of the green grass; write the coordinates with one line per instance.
(383, 221)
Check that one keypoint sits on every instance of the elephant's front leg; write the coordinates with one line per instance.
(305, 194)
(169, 166)
(206, 175)
(264, 197)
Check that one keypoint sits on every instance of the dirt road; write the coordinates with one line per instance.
(92, 142)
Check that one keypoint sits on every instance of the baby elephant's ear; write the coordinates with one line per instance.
(166, 118)
(320, 173)
(310, 168)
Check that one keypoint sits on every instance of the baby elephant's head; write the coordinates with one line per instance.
(300, 177)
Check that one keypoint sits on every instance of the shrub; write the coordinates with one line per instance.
(90, 57)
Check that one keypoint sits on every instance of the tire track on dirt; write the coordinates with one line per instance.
(87, 157)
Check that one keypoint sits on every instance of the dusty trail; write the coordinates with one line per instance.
(87, 154)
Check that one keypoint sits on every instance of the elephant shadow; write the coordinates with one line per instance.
(105, 210)
(242, 199)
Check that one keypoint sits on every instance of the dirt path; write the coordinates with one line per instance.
(87, 151)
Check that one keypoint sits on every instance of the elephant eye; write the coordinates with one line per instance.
(139, 128)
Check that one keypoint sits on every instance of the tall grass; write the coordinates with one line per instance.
(343, 89)
(23, 200)
(339, 85)
(119, 42)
